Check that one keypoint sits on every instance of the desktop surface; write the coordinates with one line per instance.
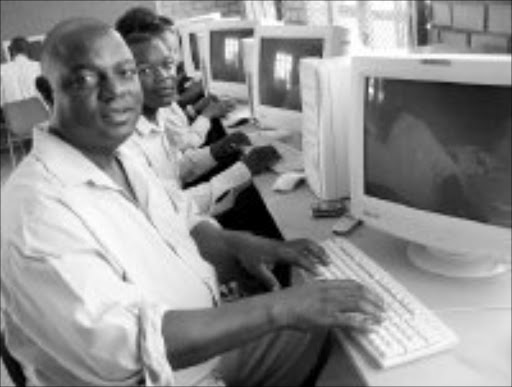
(478, 310)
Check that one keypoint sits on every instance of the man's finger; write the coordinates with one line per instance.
(268, 278)
(358, 321)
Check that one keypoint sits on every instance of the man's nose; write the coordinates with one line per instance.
(163, 73)
(112, 88)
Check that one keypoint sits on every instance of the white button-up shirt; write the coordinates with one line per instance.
(19, 79)
(87, 273)
(152, 142)
(185, 135)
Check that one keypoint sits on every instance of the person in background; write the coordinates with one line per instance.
(18, 76)
(108, 279)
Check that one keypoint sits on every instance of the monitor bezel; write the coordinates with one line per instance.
(185, 31)
(335, 44)
(235, 90)
(427, 228)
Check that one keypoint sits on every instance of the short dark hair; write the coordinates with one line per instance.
(19, 45)
(142, 20)
(138, 38)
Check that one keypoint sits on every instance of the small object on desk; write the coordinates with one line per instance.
(288, 181)
(328, 208)
(346, 224)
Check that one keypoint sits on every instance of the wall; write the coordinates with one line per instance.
(479, 25)
(28, 18)
(184, 9)
(294, 11)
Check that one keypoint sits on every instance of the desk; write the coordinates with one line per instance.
(483, 355)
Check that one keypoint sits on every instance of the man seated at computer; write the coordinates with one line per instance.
(227, 193)
(157, 74)
(110, 280)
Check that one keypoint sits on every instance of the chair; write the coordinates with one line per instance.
(20, 119)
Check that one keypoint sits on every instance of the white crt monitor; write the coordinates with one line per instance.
(430, 156)
(223, 57)
(277, 53)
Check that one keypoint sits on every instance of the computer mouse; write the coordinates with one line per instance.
(288, 181)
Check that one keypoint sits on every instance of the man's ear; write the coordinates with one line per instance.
(44, 87)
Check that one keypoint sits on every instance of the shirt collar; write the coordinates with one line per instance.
(145, 127)
(66, 162)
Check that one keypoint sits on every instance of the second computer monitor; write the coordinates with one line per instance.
(223, 57)
(278, 51)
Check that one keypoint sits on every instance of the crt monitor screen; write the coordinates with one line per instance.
(439, 147)
(194, 50)
(279, 69)
(226, 54)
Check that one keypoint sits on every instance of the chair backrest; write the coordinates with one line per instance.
(22, 116)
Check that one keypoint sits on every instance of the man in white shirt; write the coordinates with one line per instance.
(19, 75)
(108, 279)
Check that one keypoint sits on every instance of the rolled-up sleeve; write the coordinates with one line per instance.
(219, 194)
(91, 324)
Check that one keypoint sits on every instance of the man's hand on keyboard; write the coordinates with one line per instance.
(333, 303)
(216, 108)
(256, 254)
(260, 158)
(229, 145)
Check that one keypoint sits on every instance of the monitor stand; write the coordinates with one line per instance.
(452, 264)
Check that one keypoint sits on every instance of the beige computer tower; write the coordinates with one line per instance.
(325, 93)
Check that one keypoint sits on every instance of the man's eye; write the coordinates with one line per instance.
(169, 65)
(82, 81)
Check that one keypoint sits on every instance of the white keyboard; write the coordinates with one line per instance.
(410, 331)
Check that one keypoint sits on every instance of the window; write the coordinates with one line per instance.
(283, 69)
(374, 24)
(231, 51)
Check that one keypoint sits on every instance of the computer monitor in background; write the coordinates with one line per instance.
(277, 52)
(430, 142)
(223, 59)
(189, 30)
(191, 49)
